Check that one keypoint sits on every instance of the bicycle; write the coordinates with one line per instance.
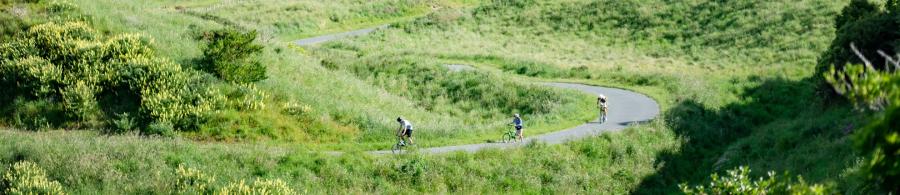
(509, 135)
(399, 147)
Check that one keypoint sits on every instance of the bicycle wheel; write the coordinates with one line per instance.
(397, 149)
(508, 137)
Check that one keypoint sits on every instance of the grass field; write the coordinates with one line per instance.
(736, 82)
(349, 118)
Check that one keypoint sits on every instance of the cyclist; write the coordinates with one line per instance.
(604, 107)
(517, 121)
(405, 130)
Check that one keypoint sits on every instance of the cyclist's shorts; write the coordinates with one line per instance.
(409, 132)
(518, 128)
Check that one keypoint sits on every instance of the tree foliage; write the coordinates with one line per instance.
(869, 26)
(233, 56)
(866, 30)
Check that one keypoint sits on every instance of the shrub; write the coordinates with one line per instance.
(192, 181)
(880, 141)
(160, 128)
(738, 181)
(123, 123)
(27, 178)
(264, 186)
(870, 27)
(75, 66)
(36, 115)
(232, 56)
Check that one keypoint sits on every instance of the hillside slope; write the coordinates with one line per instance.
(735, 81)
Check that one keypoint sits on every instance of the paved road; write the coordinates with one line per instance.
(329, 37)
(625, 108)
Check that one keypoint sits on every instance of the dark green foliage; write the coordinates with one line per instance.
(867, 25)
(37, 114)
(233, 56)
(881, 142)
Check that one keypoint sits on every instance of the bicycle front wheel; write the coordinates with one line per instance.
(397, 149)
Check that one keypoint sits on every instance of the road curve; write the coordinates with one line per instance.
(625, 108)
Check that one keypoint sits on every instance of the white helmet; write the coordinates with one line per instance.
(602, 96)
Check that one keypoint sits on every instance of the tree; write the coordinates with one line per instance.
(233, 56)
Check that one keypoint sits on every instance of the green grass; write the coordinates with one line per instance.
(735, 80)
(359, 116)
(290, 20)
(104, 163)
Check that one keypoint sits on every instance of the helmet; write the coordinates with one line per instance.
(602, 97)
(517, 115)
(399, 119)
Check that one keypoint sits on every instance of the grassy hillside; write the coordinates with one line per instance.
(736, 81)
(346, 118)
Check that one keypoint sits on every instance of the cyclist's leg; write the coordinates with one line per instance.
(409, 136)
(519, 133)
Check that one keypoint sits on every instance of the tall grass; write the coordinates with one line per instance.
(84, 162)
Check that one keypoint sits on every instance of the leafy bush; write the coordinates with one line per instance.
(27, 178)
(738, 181)
(881, 142)
(869, 26)
(76, 67)
(36, 115)
(192, 181)
(123, 123)
(232, 56)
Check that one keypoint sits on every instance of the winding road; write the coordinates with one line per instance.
(625, 108)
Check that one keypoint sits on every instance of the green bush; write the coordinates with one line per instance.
(233, 56)
(77, 67)
(123, 123)
(738, 181)
(192, 181)
(27, 178)
(880, 140)
(871, 27)
(36, 115)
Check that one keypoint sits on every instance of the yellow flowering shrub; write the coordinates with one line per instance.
(74, 64)
(27, 178)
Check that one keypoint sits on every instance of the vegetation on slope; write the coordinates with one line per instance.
(736, 80)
